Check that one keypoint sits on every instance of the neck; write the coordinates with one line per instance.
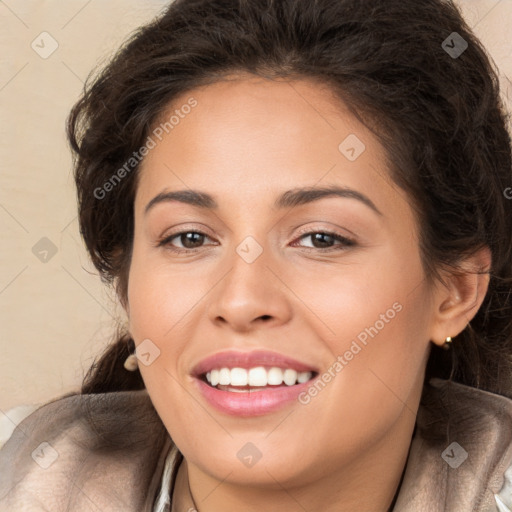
(369, 482)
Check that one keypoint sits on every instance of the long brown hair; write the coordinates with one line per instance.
(438, 115)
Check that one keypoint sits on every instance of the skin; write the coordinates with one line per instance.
(247, 141)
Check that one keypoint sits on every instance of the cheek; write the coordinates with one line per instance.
(157, 304)
(373, 320)
(160, 295)
(160, 305)
(378, 293)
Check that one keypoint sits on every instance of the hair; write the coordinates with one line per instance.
(439, 117)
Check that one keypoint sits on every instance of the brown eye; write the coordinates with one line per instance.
(322, 241)
(190, 241)
(326, 241)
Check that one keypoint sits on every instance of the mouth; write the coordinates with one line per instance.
(253, 383)
(259, 378)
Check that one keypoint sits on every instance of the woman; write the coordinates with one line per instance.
(301, 205)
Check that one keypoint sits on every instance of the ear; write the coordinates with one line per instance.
(457, 300)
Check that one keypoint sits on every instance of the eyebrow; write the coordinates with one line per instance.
(289, 199)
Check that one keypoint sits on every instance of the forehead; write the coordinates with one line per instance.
(251, 137)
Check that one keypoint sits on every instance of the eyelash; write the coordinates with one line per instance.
(345, 242)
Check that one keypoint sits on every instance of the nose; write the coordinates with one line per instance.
(250, 294)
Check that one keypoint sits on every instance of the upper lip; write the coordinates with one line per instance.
(236, 359)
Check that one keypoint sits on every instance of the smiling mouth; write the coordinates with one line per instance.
(260, 378)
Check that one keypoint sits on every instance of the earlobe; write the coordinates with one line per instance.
(458, 299)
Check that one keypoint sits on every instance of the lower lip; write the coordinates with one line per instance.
(255, 403)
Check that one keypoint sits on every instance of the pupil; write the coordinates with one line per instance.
(188, 239)
(319, 236)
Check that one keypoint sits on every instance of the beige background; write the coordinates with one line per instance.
(56, 315)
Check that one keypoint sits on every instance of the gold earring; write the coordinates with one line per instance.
(447, 343)
(131, 363)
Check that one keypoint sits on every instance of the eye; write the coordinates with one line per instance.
(323, 241)
(190, 240)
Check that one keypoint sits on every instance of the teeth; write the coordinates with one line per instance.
(290, 377)
(224, 376)
(257, 377)
(239, 377)
(275, 376)
(304, 377)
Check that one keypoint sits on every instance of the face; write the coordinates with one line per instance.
(328, 286)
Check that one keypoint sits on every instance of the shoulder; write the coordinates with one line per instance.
(99, 450)
(471, 413)
(485, 421)
(461, 453)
